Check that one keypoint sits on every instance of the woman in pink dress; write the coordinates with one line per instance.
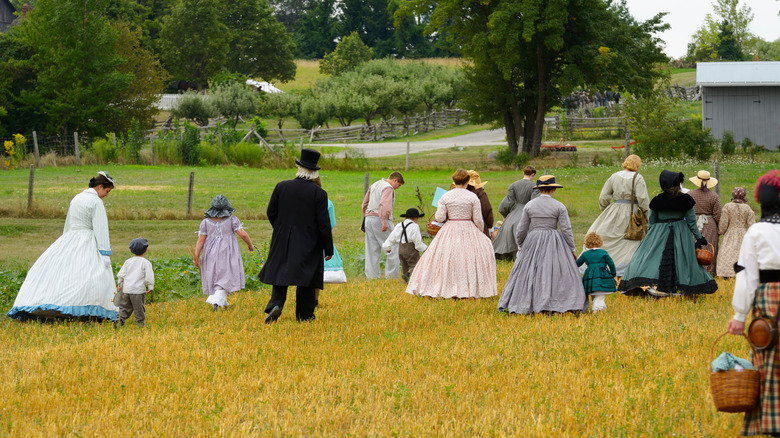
(460, 262)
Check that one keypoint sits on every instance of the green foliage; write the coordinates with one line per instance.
(350, 52)
(212, 154)
(190, 145)
(174, 279)
(132, 142)
(223, 134)
(233, 100)
(727, 145)
(506, 158)
(746, 145)
(246, 154)
(279, 106)
(104, 150)
(316, 31)
(694, 141)
(313, 112)
(194, 43)
(724, 34)
(728, 48)
(225, 77)
(195, 107)
(258, 45)
(10, 283)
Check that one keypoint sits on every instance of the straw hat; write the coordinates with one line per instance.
(703, 177)
(547, 181)
(475, 181)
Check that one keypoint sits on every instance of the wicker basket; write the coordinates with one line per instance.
(732, 390)
(432, 228)
(704, 256)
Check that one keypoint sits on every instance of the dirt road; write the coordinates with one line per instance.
(479, 138)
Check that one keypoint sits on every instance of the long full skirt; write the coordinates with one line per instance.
(459, 263)
(506, 242)
(611, 225)
(68, 280)
(544, 277)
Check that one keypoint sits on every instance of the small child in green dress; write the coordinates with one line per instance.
(601, 276)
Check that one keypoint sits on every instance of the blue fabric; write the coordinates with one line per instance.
(104, 252)
(25, 312)
(727, 361)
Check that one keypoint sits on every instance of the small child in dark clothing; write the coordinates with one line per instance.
(601, 276)
(134, 280)
(407, 235)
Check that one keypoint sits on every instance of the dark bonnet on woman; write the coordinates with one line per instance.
(102, 179)
(671, 198)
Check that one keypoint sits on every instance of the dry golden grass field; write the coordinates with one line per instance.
(375, 362)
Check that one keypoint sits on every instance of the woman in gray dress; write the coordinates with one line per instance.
(544, 277)
(511, 208)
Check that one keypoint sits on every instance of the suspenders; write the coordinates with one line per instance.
(403, 232)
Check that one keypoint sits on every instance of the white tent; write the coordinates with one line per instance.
(263, 86)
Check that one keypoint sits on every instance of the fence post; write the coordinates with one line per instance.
(717, 177)
(151, 143)
(366, 179)
(189, 193)
(406, 167)
(113, 139)
(76, 147)
(300, 149)
(626, 149)
(30, 187)
(35, 150)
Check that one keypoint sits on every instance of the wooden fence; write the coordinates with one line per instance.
(571, 127)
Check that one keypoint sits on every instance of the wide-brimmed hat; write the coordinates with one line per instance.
(220, 207)
(412, 212)
(309, 159)
(703, 177)
(474, 180)
(139, 245)
(547, 181)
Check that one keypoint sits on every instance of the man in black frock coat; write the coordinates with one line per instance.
(298, 212)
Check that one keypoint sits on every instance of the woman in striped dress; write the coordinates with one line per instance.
(73, 277)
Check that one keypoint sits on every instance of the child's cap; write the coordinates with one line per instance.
(139, 245)
(412, 213)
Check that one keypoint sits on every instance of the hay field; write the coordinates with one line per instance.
(375, 362)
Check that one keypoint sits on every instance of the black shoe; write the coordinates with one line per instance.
(273, 315)
(406, 277)
(215, 307)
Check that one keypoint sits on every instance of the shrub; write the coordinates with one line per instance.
(132, 143)
(105, 151)
(746, 145)
(727, 144)
(246, 154)
(506, 158)
(190, 145)
(196, 107)
(211, 153)
(693, 140)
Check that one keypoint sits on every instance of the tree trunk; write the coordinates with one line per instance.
(511, 135)
(529, 109)
(541, 97)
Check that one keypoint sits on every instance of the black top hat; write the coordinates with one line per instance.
(309, 158)
(412, 212)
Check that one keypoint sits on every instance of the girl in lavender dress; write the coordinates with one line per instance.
(221, 269)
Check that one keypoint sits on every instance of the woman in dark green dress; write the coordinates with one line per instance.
(599, 278)
(666, 259)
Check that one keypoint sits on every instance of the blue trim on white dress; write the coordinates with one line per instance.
(25, 312)
(104, 252)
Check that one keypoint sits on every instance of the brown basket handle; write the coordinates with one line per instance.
(712, 350)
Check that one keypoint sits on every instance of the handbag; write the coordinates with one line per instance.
(637, 224)
(762, 332)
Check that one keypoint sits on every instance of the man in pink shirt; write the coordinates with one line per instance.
(378, 215)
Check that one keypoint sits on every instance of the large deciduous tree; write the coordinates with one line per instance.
(316, 30)
(526, 54)
(194, 41)
(65, 70)
(727, 29)
(258, 45)
(349, 53)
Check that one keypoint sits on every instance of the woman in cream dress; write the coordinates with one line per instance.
(73, 277)
(615, 203)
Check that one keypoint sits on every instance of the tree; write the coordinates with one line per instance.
(64, 72)
(526, 54)
(258, 45)
(234, 100)
(729, 17)
(728, 48)
(372, 20)
(196, 107)
(316, 30)
(280, 106)
(194, 42)
(349, 53)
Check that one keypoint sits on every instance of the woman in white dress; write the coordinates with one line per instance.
(460, 262)
(73, 277)
(613, 221)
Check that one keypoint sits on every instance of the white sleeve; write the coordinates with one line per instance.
(415, 237)
(149, 275)
(746, 279)
(120, 276)
(393, 238)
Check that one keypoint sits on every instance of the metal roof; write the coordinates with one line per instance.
(738, 74)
